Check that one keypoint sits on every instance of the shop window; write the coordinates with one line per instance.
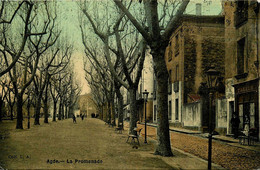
(241, 12)
(241, 56)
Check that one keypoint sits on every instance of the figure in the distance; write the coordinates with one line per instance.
(235, 125)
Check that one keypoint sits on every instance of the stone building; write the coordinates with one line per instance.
(196, 44)
(242, 61)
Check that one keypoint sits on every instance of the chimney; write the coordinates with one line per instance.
(198, 9)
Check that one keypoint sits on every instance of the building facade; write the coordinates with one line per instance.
(242, 62)
(195, 45)
(87, 105)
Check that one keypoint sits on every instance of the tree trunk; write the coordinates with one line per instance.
(29, 116)
(105, 112)
(12, 110)
(70, 112)
(113, 117)
(102, 112)
(163, 135)
(46, 110)
(109, 112)
(54, 111)
(46, 114)
(1, 104)
(19, 123)
(37, 110)
(59, 118)
(62, 111)
(66, 112)
(120, 107)
(133, 110)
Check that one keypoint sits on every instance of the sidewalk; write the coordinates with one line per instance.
(180, 160)
(228, 140)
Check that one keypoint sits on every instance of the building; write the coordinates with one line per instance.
(196, 44)
(87, 105)
(242, 62)
(145, 83)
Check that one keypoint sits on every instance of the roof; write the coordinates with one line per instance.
(194, 97)
(200, 19)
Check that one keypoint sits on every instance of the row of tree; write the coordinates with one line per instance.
(116, 36)
(35, 62)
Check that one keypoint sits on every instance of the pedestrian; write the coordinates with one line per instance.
(235, 121)
(74, 119)
(246, 128)
(82, 117)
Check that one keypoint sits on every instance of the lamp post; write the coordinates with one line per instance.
(212, 84)
(145, 93)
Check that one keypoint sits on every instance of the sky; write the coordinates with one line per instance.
(68, 18)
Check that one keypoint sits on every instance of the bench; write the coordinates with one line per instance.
(135, 136)
(247, 140)
(119, 128)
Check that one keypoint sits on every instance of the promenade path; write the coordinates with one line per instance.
(88, 144)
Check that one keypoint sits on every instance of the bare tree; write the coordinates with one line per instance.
(130, 57)
(157, 36)
(8, 94)
(28, 62)
(8, 12)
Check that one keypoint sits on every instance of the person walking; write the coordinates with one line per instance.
(74, 119)
(235, 121)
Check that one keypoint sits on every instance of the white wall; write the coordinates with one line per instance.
(230, 96)
(221, 113)
(192, 114)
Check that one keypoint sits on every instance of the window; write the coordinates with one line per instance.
(177, 73)
(241, 56)
(170, 52)
(176, 45)
(141, 89)
(170, 110)
(170, 82)
(154, 89)
(176, 109)
(241, 12)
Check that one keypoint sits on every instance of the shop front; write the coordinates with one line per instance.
(246, 105)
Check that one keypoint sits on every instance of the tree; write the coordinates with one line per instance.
(5, 12)
(22, 74)
(129, 54)
(8, 94)
(157, 37)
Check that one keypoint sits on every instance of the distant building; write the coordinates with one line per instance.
(87, 105)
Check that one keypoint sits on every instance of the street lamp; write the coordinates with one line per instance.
(212, 84)
(145, 93)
